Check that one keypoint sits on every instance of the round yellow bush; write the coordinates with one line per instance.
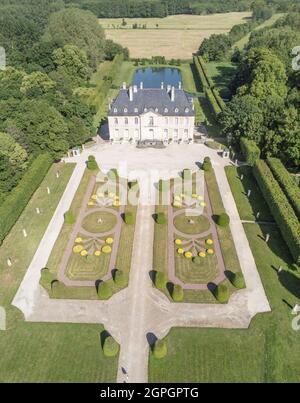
(117, 197)
(94, 197)
(210, 251)
(83, 253)
(194, 196)
(201, 254)
(188, 255)
(101, 194)
(182, 195)
(202, 204)
(116, 203)
(78, 248)
(177, 204)
(91, 203)
(78, 240)
(106, 249)
(178, 241)
(177, 198)
(200, 198)
(209, 242)
(180, 251)
(97, 252)
(109, 241)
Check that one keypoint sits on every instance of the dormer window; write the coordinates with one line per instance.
(125, 110)
(115, 110)
(186, 110)
(156, 109)
(136, 110)
(145, 109)
(176, 110)
(166, 110)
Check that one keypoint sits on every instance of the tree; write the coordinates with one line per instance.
(10, 83)
(79, 28)
(262, 75)
(43, 127)
(215, 47)
(112, 49)
(16, 154)
(223, 220)
(8, 178)
(160, 349)
(36, 84)
(243, 117)
(177, 293)
(110, 347)
(160, 280)
(73, 62)
(104, 291)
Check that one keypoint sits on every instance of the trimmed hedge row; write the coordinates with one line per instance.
(280, 207)
(212, 100)
(288, 185)
(202, 77)
(210, 82)
(14, 204)
(250, 151)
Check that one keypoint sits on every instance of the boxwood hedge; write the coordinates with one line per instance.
(288, 185)
(280, 207)
(250, 151)
(14, 204)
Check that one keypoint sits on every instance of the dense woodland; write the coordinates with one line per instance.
(50, 52)
(266, 99)
(163, 8)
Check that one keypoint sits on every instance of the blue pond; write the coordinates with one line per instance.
(152, 77)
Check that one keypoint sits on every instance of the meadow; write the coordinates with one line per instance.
(175, 37)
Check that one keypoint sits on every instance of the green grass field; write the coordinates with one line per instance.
(222, 74)
(243, 42)
(34, 352)
(266, 352)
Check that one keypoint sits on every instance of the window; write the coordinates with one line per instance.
(176, 110)
(151, 121)
(176, 134)
(126, 121)
(186, 110)
(166, 110)
(186, 121)
(116, 133)
(125, 110)
(115, 110)
(176, 121)
(126, 133)
(166, 134)
(145, 109)
(156, 109)
(136, 110)
(136, 121)
(136, 134)
(166, 121)
(116, 121)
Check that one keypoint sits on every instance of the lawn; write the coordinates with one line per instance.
(264, 353)
(33, 352)
(222, 74)
(247, 207)
(199, 224)
(173, 37)
(100, 221)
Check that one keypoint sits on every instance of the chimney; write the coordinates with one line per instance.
(179, 85)
(130, 93)
(162, 85)
(124, 85)
(141, 85)
(173, 94)
(135, 89)
(168, 88)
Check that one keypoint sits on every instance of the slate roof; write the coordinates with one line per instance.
(152, 99)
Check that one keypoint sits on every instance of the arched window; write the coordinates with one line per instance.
(166, 110)
(115, 110)
(186, 110)
(116, 121)
(126, 121)
(151, 121)
(136, 110)
(136, 121)
(176, 110)
(125, 110)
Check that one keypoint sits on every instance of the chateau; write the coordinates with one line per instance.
(139, 114)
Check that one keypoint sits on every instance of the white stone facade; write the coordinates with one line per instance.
(147, 123)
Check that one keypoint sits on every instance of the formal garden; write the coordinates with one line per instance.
(92, 256)
(194, 254)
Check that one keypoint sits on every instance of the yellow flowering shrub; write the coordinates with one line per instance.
(106, 249)
(109, 241)
(178, 241)
(188, 255)
(78, 249)
(180, 251)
